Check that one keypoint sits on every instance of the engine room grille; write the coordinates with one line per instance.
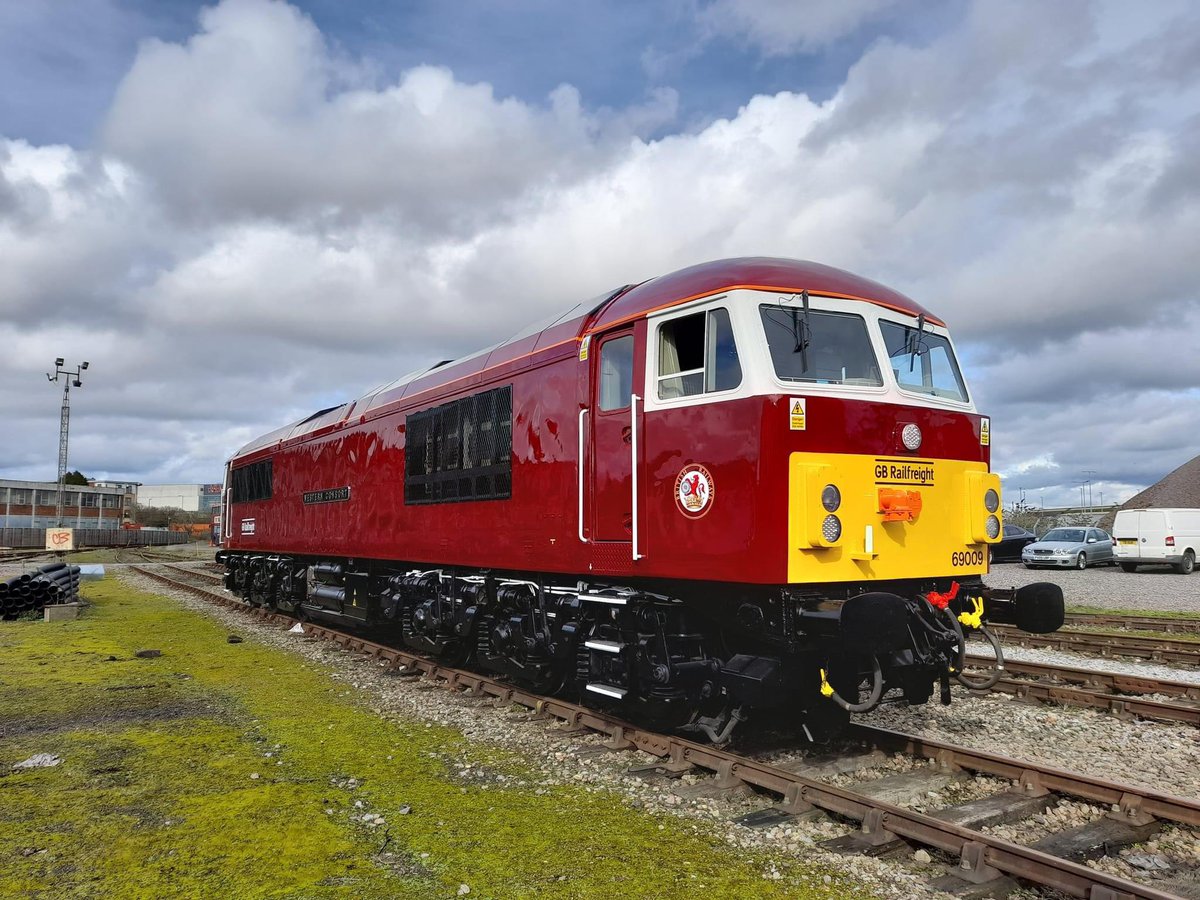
(461, 450)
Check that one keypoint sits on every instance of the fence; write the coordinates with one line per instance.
(20, 538)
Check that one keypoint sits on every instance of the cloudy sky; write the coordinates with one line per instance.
(241, 212)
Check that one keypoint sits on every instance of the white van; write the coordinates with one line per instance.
(1158, 537)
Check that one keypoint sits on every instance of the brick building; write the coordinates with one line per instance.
(31, 504)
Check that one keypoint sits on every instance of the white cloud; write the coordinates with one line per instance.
(255, 117)
(780, 27)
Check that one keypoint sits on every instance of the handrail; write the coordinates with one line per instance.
(582, 414)
(633, 402)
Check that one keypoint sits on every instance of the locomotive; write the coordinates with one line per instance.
(752, 484)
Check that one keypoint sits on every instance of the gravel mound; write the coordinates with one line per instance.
(1180, 488)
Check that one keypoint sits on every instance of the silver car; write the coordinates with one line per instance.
(1076, 548)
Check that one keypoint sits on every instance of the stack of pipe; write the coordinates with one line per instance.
(31, 591)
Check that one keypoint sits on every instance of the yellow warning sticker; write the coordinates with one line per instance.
(796, 414)
(985, 432)
(583, 347)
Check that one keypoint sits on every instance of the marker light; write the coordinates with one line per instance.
(911, 436)
(993, 527)
(831, 528)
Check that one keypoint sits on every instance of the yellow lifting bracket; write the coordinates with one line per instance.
(973, 619)
(826, 687)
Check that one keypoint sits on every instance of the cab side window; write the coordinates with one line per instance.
(616, 373)
(697, 355)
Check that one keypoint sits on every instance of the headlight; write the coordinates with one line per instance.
(911, 436)
(991, 500)
(831, 498)
(831, 528)
(993, 527)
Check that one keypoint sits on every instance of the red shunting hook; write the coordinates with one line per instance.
(941, 601)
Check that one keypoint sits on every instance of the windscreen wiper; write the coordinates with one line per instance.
(801, 332)
(913, 342)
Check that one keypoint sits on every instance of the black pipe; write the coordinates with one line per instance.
(328, 573)
(328, 592)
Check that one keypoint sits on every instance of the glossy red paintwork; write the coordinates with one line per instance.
(743, 443)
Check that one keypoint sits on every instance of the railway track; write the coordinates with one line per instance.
(974, 856)
(16, 556)
(1112, 692)
(1166, 650)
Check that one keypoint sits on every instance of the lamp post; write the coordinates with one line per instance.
(73, 378)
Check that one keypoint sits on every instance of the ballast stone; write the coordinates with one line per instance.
(39, 761)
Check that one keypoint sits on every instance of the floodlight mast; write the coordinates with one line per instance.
(64, 424)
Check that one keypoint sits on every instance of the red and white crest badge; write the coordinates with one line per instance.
(694, 490)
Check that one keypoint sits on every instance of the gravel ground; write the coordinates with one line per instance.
(1158, 755)
(1152, 590)
(1161, 756)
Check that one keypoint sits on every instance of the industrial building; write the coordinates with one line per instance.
(31, 504)
(188, 497)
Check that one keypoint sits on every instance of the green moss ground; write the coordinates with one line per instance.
(156, 797)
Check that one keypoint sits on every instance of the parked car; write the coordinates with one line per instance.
(1014, 540)
(1076, 548)
(1169, 537)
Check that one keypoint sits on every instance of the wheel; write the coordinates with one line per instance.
(1081, 561)
(1187, 564)
(1128, 567)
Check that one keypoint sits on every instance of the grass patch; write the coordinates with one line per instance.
(234, 770)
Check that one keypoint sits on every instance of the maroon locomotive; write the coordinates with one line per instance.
(750, 483)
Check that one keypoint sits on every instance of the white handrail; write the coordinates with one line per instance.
(633, 402)
(582, 414)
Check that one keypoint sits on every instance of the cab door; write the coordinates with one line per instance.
(616, 393)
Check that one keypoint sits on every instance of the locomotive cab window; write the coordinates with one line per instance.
(820, 347)
(697, 355)
(923, 363)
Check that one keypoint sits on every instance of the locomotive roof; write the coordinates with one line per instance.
(763, 273)
(606, 311)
